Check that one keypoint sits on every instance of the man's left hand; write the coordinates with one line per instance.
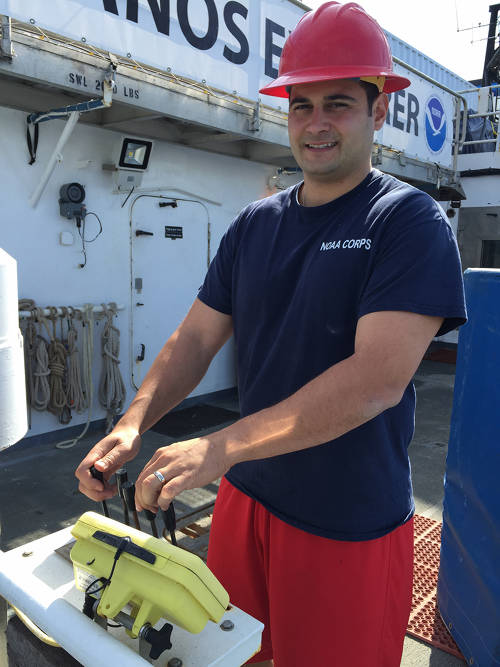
(184, 465)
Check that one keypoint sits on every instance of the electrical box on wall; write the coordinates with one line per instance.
(131, 160)
(71, 197)
(124, 181)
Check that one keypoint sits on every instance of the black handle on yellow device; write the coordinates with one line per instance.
(150, 516)
(121, 478)
(129, 492)
(97, 474)
(170, 521)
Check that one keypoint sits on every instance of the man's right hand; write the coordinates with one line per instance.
(110, 454)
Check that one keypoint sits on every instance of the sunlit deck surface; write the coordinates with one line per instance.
(39, 495)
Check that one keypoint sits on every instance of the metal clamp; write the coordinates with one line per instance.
(109, 81)
(377, 155)
(6, 52)
(255, 123)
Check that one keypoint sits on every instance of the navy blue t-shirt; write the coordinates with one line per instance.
(295, 281)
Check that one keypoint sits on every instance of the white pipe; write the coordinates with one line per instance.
(475, 90)
(78, 635)
(55, 157)
(46, 311)
(480, 141)
(145, 191)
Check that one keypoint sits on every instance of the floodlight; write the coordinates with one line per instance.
(135, 154)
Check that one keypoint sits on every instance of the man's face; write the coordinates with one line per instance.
(330, 128)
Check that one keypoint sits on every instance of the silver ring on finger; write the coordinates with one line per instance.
(159, 476)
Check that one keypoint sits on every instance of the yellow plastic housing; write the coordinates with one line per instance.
(178, 586)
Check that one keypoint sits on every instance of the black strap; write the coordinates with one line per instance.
(129, 547)
(32, 146)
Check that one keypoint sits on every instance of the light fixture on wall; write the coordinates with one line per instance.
(132, 160)
(135, 154)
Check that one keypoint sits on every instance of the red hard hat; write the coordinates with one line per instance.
(336, 42)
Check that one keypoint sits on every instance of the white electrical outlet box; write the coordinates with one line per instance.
(66, 238)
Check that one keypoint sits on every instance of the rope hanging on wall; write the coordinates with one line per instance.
(39, 382)
(29, 335)
(86, 387)
(111, 386)
(56, 379)
(75, 389)
(57, 365)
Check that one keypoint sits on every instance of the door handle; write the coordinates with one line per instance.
(141, 355)
(142, 232)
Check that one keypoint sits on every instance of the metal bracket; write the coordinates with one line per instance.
(438, 177)
(144, 649)
(72, 113)
(377, 155)
(81, 107)
(109, 80)
(56, 154)
(254, 123)
(402, 159)
(3, 631)
(6, 52)
(113, 60)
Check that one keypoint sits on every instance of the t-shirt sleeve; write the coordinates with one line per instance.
(216, 290)
(417, 266)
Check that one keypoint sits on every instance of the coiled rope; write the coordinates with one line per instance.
(111, 386)
(87, 387)
(40, 394)
(75, 391)
(58, 404)
(55, 378)
(32, 627)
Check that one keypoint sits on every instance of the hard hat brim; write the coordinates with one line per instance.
(277, 87)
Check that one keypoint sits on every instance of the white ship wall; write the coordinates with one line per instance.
(49, 272)
(481, 191)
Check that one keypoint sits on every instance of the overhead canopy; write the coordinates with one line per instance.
(50, 71)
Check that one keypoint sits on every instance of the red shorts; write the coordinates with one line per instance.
(323, 602)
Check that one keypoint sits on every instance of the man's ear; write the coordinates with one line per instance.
(379, 111)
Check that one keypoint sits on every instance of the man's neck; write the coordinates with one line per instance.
(315, 192)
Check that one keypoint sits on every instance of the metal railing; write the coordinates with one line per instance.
(492, 99)
(458, 136)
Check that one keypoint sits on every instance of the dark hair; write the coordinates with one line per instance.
(372, 93)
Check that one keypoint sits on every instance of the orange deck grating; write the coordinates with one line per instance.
(425, 622)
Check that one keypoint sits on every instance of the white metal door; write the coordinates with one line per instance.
(169, 245)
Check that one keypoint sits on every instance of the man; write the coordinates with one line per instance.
(333, 290)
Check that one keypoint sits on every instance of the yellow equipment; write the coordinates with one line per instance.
(119, 565)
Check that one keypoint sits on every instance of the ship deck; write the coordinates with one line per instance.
(39, 495)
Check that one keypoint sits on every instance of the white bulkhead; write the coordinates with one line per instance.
(13, 422)
(154, 277)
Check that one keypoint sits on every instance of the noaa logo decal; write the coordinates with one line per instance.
(435, 124)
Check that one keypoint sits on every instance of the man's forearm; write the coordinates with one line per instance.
(176, 371)
(389, 347)
(332, 404)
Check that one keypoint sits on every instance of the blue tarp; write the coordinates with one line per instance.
(480, 128)
(469, 575)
